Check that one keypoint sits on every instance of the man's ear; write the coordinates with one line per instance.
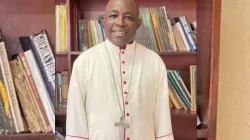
(104, 21)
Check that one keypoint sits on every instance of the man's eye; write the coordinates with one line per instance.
(128, 18)
(113, 16)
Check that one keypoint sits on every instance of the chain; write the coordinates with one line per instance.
(117, 95)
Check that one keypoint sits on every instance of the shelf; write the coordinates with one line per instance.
(191, 53)
(202, 133)
(61, 53)
(182, 112)
(60, 113)
(28, 136)
(75, 53)
(183, 124)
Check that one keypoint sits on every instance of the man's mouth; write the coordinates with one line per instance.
(119, 33)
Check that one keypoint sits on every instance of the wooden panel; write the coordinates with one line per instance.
(208, 36)
(61, 121)
(214, 77)
(184, 125)
(204, 26)
(61, 63)
(25, 18)
(179, 62)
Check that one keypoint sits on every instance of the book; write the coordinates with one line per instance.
(15, 115)
(25, 96)
(40, 46)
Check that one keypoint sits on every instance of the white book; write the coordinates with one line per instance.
(41, 88)
(183, 36)
(58, 28)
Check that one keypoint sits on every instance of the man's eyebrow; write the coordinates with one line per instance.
(128, 13)
(115, 11)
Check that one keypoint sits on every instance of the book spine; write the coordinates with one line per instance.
(180, 29)
(45, 59)
(43, 93)
(181, 92)
(4, 124)
(65, 88)
(173, 83)
(37, 98)
(85, 35)
(14, 106)
(188, 32)
(24, 94)
(58, 29)
(59, 85)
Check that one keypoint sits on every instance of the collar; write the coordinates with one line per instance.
(128, 49)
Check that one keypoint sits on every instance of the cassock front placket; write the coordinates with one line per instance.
(124, 85)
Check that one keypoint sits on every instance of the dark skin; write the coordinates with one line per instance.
(121, 20)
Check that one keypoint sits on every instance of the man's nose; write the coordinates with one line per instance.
(120, 21)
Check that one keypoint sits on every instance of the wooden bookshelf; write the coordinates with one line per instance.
(22, 18)
(207, 15)
(27, 136)
(184, 122)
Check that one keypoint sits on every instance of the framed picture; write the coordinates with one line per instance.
(193, 84)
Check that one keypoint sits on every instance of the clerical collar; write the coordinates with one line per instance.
(129, 47)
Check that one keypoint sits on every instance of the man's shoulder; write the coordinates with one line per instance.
(148, 52)
(90, 54)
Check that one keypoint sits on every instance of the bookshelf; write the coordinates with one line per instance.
(39, 136)
(22, 18)
(207, 15)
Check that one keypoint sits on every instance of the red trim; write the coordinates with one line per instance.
(164, 136)
(77, 137)
(122, 89)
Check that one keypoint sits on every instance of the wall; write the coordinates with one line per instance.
(234, 81)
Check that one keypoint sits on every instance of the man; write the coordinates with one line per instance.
(118, 89)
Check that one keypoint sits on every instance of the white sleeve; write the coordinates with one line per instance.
(162, 116)
(76, 122)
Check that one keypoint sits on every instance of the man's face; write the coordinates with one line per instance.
(121, 21)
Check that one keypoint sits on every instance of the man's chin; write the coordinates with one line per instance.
(119, 43)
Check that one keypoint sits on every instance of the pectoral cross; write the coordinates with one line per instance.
(121, 124)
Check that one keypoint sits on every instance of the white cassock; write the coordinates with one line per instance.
(93, 105)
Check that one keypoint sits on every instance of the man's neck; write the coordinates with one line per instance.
(122, 46)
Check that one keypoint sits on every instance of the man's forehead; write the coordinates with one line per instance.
(112, 4)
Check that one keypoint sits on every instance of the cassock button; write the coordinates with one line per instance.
(123, 72)
(125, 92)
(123, 62)
(124, 82)
(122, 52)
(126, 103)
(128, 138)
(127, 114)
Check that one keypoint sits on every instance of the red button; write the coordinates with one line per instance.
(124, 82)
(125, 92)
(123, 72)
(126, 103)
(127, 114)
(128, 138)
(122, 52)
(123, 62)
